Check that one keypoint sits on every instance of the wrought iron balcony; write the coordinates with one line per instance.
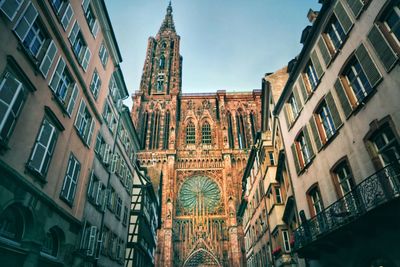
(374, 191)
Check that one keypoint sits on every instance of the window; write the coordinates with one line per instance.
(10, 8)
(343, 178)
(67, 17)
(11, 224)
(30, 31)
(241, 130)
(166, 129)
(359, 78)
(311, 77)
(190, 133)
(302, 150)
(385, 145)
(206, 134)
(56, 5)
(286, 241)
(230, 131)
(292, 108)
(103, 54)
(95, 84)
(392, 22)
(162, 62)
(326, 121)
(50, 243)
(315, 201)
(90, 17)
(125, 218)
(114, 92)
(43, 149)
(109, 117)
(84, 123)
(79, 46)
(111, 203)
(89, 239)
(12, 99)
(155, 125)
(70, 180)
(118, 207)
(271, 158)
(335, 35)
(102, 149)
(64, 87)
(278, 195)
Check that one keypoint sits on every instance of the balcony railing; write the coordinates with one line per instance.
(375, 190)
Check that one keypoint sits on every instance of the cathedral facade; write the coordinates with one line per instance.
(195, 148)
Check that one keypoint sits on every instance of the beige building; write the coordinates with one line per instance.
(340, 122)
(267, 210)
(59, 65)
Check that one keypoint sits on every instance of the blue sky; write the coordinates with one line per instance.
(225, 44)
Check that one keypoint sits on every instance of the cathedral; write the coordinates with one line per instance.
(195, 148)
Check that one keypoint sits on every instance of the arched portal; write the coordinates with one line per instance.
(201, 258)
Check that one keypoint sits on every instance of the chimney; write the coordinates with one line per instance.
(312, 15)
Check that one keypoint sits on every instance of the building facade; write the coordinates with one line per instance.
(62, 185)
(194, 147)
(340, 122)
(267, 210)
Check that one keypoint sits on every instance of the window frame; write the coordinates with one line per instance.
(65, 193)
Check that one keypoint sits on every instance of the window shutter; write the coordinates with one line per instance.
(48, 59)
(295, 158)
(10, 8)
(86, 59)
(91, 184)
(95, 28)
(303, 89)
(74, 32)
(85, 4)
(43, 148)
(92, 240)
(66, 18)
(91, 129)
(114, 163)
(382, 48)
(368, 65)
(297, 97)
(80, 114)
(26, 22)
(343, 17)
(72, 100)
(308, 140)
(68, 179)
(106, 156)
(344, 101)
(315, 133)
(55, 80)
(356, 7)
(326, 55)
(334, 112)
(316, 63)
(98, 193)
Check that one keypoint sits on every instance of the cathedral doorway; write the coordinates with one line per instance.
(201, 258)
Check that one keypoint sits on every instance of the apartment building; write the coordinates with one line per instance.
(340, 122)
(66, 156)
(267, 209)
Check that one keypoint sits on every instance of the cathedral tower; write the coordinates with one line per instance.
(195, 148)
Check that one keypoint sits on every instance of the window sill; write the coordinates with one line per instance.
(32, 61)
(81, 137)
(295, 119)
(40, 177)
(364, 101)
(330, 140)
(306, 166)
(70, 204)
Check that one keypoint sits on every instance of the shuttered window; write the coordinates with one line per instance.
(317, 65)
(79, 46)
(103, 54)
(303, 90)
(70, 180)
(43, 149)
(302, 149)
(48, 59)
(382, 48)
(95, 84)
(10, 8)
(323, 48)
(311, 76)
(392, 22)
(12, 99)
(63, 86)
(84, 123)
(335, 35)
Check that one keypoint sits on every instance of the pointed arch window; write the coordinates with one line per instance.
(143, 134)
(160, 83)
(154, 130)
(230, 131)
(166, 130)
(253, 125)
(190, 133)
(206, 134)
(241, 131)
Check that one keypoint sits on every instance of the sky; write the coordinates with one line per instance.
(225, 44)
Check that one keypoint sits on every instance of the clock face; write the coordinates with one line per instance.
(198, 190)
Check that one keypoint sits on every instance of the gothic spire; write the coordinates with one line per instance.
(168, 23)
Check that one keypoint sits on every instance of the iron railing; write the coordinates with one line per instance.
(375, 190)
